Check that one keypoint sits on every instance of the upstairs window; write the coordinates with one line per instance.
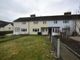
(65, 21)
(55, 21)
(23, 22)
(35, 22)
(9, 28)
(44, 22)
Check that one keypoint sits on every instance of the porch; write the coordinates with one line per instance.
(50, 31)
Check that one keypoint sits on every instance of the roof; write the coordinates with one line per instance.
(4, 23)
(44, 18)
(10, 23)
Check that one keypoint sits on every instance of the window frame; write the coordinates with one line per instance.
(23, 22)
(35, 29)
(17, 29)
(55, 21)
(56, 30)
(23, 29)
(35, 22)
(65, 21)
(44, 29)
(9, 28)
(44, 22)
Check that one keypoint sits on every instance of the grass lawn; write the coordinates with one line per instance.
(25, 48)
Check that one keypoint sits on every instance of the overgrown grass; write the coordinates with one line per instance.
(26, 48)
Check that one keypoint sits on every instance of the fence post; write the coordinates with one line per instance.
(58, 48)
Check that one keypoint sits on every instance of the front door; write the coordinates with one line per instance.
(50, 31)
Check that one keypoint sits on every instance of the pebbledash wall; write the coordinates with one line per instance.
(39, 25)
(61, 24)
(29, 25)
(18, 26)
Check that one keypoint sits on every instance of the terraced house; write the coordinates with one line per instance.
(46, 24)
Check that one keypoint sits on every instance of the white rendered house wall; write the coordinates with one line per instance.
(20, 28)
(62, 25)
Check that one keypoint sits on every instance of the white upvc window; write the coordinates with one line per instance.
(35, 30)
(44, 29)
(56, 30)
(35, 22)
(44, 22)
(66, 29)
(65, 21)
(23, 29)
(55, 21)
(17, 29)
(23, 22)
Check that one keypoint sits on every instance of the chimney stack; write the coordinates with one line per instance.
(33, 15)
(67, 13)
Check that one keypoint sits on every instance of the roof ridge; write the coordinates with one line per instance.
(41, 18)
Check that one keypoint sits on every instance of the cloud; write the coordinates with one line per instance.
(12, 9)
(59, 7)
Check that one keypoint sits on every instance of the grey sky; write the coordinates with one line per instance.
(13, 9)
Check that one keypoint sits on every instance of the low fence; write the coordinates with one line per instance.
(65, 49)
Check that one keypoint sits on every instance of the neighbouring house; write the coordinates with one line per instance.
(46, 24)
(77, 22)
(6, 26)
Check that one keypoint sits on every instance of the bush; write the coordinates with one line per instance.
(5, 32)
(74, 33)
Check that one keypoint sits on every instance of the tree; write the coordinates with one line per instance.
(78, 10)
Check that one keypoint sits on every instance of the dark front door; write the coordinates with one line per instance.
(50, 31)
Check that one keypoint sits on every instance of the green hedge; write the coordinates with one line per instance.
(5, 32)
